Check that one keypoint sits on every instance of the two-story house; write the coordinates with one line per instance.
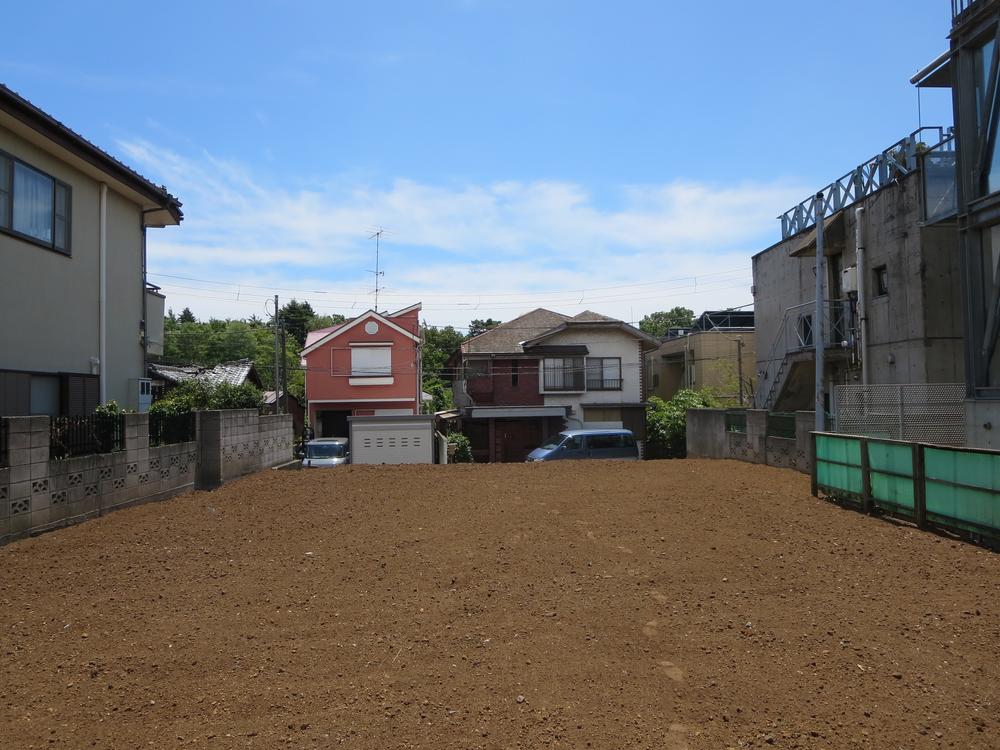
(544, 371)
(79, 315)
(366, 366)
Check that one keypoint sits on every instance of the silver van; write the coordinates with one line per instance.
(567, 444)
(326, 452)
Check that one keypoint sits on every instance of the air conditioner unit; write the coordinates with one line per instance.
(849, 279)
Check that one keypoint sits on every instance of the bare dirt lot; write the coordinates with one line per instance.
(669, 604)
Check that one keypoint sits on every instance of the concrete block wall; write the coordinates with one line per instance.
(37, 493)
(707, 438)
(239, 441)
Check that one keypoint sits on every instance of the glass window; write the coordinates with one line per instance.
(881, 281)
(33, 204)
(563, 374)
(604, 373)
(5, 173)
(371, 361)
(982, 76)
(325, 450)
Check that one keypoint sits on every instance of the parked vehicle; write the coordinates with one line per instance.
(587, 444)
(326, 452)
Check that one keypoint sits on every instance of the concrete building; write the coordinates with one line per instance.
(718, 352)
(80, 315)
(899, 290)
(971, 70)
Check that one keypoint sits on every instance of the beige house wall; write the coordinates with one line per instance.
(53, 299)
(711, 359)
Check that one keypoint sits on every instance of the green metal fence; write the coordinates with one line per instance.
(955, 489)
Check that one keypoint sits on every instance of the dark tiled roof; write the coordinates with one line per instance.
(589, 316)
(22, 109)
(506, 338)
(233, 373)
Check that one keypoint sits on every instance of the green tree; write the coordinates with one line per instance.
(657, 323)
(666, 422)
(479, 326)
(439, 344)
(187, 316)
(325, 321)
(297, 317)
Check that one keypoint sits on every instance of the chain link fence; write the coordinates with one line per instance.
(927, 413)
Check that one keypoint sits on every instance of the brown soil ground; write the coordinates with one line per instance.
(670, 604)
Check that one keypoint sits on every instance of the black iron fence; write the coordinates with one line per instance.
(3, 442)
(84, 436)
(165, 429)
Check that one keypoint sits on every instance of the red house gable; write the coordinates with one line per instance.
(365, 366)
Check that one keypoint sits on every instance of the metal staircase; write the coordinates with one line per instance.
(793, 343)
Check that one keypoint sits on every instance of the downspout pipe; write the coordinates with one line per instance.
(862, 270)
(818, 340)
(103, 295)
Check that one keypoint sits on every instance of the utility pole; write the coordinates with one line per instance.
(277, 358)
(739, 366)
(284, 376)
(817, 327)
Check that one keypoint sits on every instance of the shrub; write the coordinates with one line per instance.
(666, 422)
(463, 448)
(199, 395)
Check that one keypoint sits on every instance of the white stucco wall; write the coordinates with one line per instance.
(600, 343)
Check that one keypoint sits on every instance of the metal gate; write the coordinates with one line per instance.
(927, 413)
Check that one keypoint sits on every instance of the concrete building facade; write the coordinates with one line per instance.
(901, 290)
(717, 353)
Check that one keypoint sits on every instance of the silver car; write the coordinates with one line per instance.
(326, 452)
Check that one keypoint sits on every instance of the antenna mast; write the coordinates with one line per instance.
(377, 236)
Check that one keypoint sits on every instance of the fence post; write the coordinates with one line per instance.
(919, 486)
(814, 472)
(866, 478)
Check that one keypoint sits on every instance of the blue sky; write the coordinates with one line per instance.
(625, 157)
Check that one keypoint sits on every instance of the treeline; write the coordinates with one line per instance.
(188, 341)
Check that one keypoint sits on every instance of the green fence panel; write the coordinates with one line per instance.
(891, 467)
(963, 487)
(838, 463)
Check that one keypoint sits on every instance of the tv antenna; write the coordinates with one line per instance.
(377, 236)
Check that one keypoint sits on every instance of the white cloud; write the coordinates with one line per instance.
(457, 247)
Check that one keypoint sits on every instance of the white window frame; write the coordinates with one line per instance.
(371, 365)
(568, 366)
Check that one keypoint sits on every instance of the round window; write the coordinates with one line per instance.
(371, 327)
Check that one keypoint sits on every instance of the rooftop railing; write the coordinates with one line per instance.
(958, 7)
(899, 160)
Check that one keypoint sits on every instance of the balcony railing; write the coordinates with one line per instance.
(612, 384)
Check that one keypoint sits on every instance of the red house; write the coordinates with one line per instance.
(368, 366)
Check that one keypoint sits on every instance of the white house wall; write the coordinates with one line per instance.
(601, 343)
